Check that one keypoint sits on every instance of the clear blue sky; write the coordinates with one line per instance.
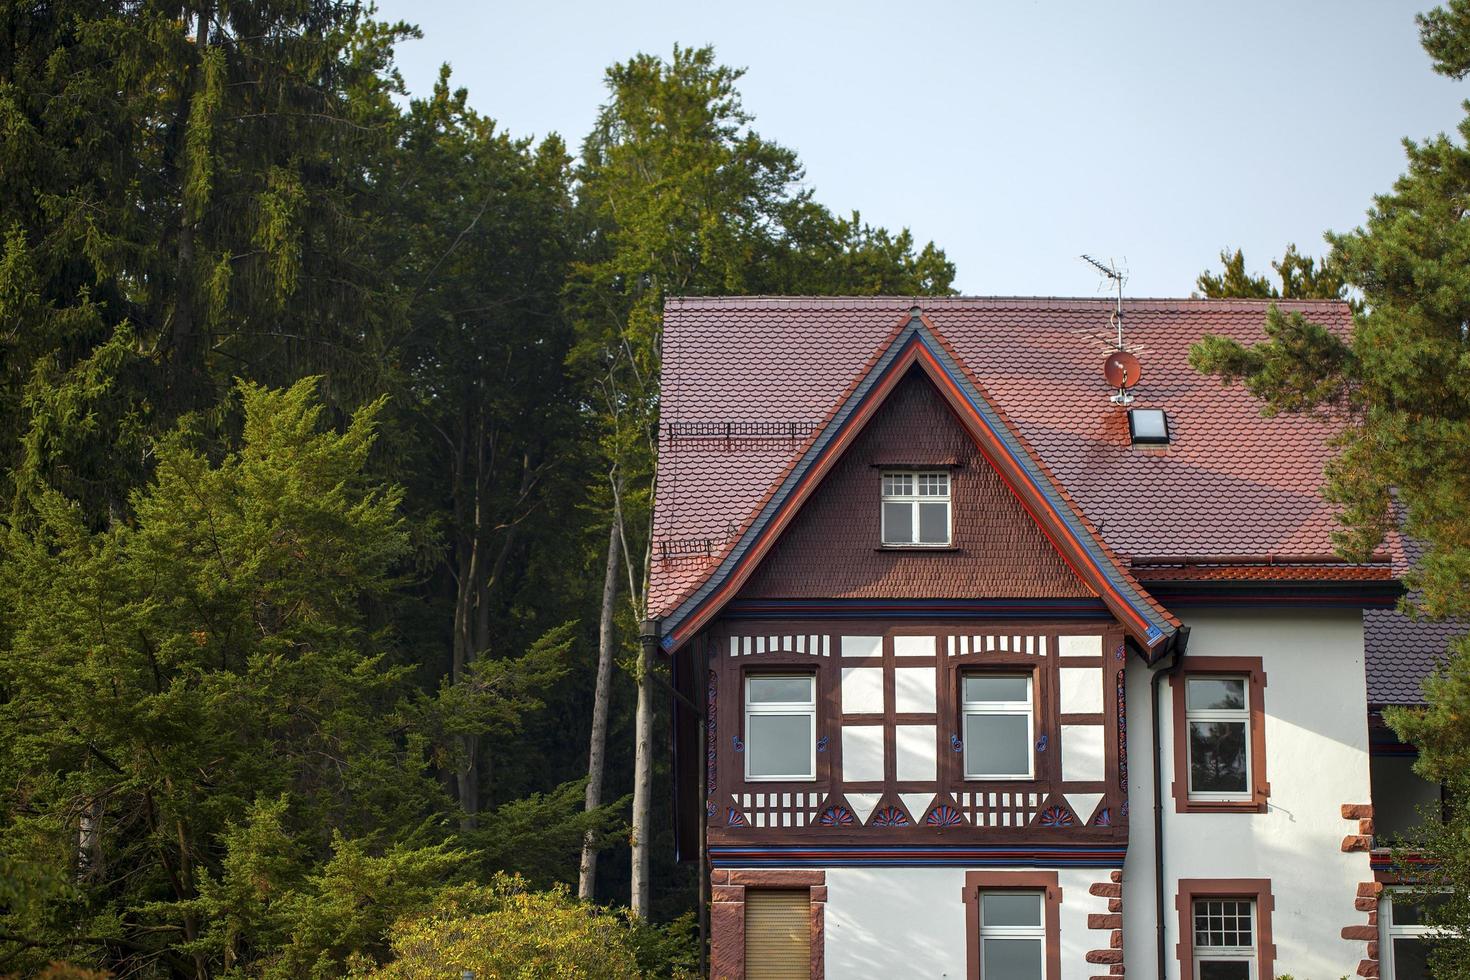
(1015, 134)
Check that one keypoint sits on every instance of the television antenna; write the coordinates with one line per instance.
(1121, 368)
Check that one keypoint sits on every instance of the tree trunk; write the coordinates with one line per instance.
(597, 752)
(643, 781)
(182, 337)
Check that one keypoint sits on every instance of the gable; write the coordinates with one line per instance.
(831, 547)
(914, 342)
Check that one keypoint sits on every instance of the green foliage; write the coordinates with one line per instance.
(504, 930)
(1301, 278)
(263, 634)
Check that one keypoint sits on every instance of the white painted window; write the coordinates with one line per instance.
(916, 508)
(1224, 939)
(1404, 939)
(1012, 935)
(998, 725)
(780, 726)
(1217, 712)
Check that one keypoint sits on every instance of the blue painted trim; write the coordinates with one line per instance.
(982, 609)
(917, 856)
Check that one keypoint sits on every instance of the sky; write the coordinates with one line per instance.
(1018, 134)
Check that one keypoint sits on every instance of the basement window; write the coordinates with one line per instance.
(1148, 426)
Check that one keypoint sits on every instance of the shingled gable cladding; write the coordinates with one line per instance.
(828, 551)
(1071, 551)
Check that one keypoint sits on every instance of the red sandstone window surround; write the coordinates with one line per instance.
(1210, 709)
(982, 882)
(1209, 911)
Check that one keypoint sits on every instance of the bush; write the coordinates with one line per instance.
(504, 930)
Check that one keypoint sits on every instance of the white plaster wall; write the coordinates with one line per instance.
(1316, 760)
(910, 922)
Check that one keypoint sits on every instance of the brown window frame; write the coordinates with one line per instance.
(993, 881)
(1257, 890)
(1039, 716)
(1252, 669)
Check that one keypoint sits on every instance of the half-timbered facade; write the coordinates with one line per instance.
(983, 672)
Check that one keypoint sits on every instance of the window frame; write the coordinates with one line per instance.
(1045, 882)
(914, 499)
(1233, 716)
(1388, 931)
(999, 709)
(1226, 954)
(1254, 890)
(783, 709)
(1036, 933)
(1256, 801)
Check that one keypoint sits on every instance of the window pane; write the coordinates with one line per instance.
(898, 523)
(997, 745)
(768, 690)
(1410, 959)
(779, 745)
(1225, 970)
(1011, 959)
(1206, 693)
(992, 687)
(896, 484)
(1010, 909)
(1217, 757)
(934, 523)
(1407, 911)
(934, 484)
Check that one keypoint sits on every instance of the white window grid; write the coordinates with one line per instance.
(754, 709)
(992, 708)
(1036, 933)
(1389, 930)
(914, 488)
(1241, 715)
(1224, 931)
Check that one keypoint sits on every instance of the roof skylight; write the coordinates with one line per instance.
(1148, 426)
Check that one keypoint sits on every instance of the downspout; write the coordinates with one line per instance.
(701, 688)
(1181, 640)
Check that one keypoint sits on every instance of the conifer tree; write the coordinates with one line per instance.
(1400, 384)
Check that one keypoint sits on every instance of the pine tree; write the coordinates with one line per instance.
(1400, 384)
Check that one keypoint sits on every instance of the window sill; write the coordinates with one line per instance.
(1221, 806)
(917, 547)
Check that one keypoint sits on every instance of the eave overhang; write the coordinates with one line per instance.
(915, 342)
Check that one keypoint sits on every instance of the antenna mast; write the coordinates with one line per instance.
(1126, 368)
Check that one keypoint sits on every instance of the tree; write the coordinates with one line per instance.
(683, 197)
(1301, 278)
(488, 417)
(1400, 384)
(201, 707)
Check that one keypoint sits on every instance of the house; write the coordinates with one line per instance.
(986, 668)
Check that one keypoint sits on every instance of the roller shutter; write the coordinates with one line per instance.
(778, 934)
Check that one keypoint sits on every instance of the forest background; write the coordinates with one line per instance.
(327, 424)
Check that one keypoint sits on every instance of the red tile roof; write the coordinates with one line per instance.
(1232, 488)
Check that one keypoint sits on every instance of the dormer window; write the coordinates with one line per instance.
(916, 508)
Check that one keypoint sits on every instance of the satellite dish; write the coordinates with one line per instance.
(1122, 369)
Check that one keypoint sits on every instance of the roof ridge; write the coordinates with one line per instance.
(980, 302)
